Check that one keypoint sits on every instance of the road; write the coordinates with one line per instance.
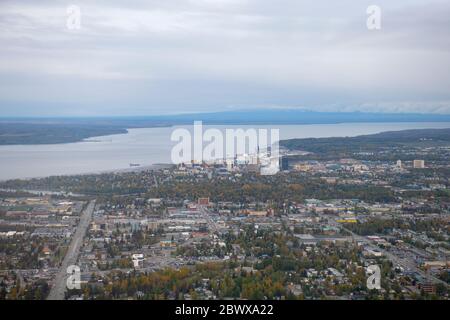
(404, 263)
(211, 224)
(59, 284)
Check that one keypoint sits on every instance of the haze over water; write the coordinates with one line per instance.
(148, 146)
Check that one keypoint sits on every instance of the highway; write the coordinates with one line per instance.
(59, 284)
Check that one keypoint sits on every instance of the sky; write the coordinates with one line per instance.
(181, 56)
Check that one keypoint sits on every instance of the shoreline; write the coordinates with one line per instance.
(15, 159)
(66, 131)
(152, 167)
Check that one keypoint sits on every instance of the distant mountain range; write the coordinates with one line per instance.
(265, 116)
(289, 116)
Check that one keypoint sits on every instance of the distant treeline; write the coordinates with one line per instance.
(66, 130)
(30, 133)
(384, 146)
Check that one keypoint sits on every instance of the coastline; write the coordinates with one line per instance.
(147, 147)
(152, 167)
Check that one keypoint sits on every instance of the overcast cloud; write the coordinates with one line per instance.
(173, 56)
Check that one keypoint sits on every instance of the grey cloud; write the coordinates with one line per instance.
(160, 56)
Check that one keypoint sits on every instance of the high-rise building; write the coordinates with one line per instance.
(399, 163)
(230, 164)
(284, 163)
(419, 164)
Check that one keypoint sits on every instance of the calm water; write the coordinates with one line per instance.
(149, 146)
